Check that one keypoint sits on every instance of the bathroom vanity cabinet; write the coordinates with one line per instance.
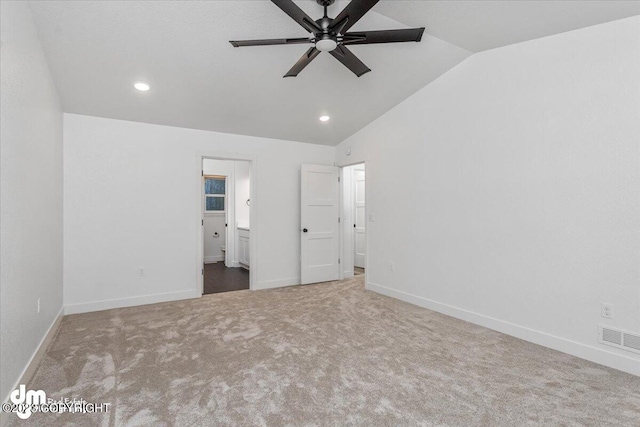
(244, 247)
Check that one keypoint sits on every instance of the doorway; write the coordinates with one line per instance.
(354, 231)
(225, 205)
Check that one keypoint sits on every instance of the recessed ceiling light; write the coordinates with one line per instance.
(142, 86)
(324, 118)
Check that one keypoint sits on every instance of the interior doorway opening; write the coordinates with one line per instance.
(226, 218)
(354, 230)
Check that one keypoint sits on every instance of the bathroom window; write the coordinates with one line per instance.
(214, 193)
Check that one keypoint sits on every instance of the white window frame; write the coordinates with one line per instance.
(223, 196)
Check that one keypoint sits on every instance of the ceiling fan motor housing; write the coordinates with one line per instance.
(327, 40)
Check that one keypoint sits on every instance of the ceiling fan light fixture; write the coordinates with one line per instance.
(326, 45)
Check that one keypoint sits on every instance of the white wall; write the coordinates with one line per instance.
(139, 183)
(243, 193)
(214, 222)
(507, 192)
(31, 195)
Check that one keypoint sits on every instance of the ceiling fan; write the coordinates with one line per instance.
(331, 35)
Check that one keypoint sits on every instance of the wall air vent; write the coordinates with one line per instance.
(618, 338)
(611, 336)
(631, 342)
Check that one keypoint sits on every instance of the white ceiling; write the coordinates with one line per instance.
(97, 49)
(483, 25)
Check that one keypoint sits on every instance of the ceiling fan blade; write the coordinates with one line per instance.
(303, 62)
(349, 60)
(384, 36)
(353, 12)
(269, 42)
(290, 8)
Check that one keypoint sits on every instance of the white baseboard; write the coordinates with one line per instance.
(348, 274)
(129, 302)
(212, 259)
(278, 283)
(27, 373)
(583, 351)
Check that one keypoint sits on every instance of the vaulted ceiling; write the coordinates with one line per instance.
(98, 49)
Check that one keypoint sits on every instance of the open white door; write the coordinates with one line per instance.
(319, 234)
(359, 218)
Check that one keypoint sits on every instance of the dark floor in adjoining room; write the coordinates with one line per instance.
(218, 278)
(358, 271)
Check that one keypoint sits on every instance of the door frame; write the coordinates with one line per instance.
(253, 217)
(343, 242)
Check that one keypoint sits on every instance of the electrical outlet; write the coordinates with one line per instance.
(141, 271)
(38, 305)
(606, 310)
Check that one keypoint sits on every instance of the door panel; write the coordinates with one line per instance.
(321, 251)
(360, 220)
(320, 193)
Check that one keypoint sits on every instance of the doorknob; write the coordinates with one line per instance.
(304, 230)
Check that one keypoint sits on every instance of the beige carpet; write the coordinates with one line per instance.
(323, 355)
